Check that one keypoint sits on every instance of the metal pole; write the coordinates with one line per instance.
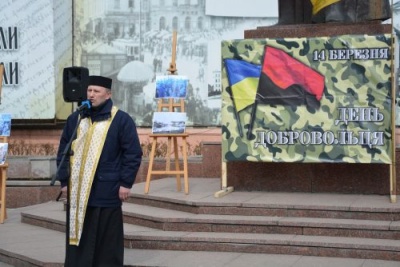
(393, 164)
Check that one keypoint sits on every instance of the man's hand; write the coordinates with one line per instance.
(124, 193)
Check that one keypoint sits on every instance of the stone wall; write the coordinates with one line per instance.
(29, 177)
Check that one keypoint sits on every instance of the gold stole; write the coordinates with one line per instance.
(87, 149)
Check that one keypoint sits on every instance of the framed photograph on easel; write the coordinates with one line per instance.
(5, 124)
(171, 86)
(3, 152)
(169, 122)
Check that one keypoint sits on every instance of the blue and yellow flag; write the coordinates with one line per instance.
(243, 78)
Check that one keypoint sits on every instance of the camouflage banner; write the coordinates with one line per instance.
(326, 99)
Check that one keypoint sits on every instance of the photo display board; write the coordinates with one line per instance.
(322, 99)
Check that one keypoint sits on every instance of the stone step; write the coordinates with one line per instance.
(171, 220)
(362, 248)
(350, 226)
(150, 237)
(276, 204)
(24, 245)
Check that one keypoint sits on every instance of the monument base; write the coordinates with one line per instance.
(317, 30)
(311, 177)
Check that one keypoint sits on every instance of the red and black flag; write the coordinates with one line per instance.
(285, 80)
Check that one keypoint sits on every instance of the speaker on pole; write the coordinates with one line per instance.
(75, 84)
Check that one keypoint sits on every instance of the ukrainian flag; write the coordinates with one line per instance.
(318, 5)
(243, 78)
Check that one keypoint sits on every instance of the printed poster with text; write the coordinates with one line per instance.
(325, 99)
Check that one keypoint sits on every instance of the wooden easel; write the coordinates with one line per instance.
(3, 179)
(170, 105)
(3, 167)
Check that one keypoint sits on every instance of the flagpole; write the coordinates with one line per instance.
(252, 118)
(393, 161)
(239, 124)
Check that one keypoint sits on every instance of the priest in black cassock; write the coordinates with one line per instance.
(99, 174)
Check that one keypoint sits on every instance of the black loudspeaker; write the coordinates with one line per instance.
(75, 84)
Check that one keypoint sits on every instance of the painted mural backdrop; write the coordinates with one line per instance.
(307, 99)
(131, 42)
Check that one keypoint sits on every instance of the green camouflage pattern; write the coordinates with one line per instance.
(350, 83)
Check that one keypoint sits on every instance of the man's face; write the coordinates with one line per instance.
(97, 95)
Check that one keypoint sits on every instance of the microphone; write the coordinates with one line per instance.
(85, 105)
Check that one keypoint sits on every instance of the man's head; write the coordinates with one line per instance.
(99, 90)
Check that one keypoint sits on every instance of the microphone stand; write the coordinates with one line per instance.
(67, 152)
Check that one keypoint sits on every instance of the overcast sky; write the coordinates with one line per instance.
(240, 8)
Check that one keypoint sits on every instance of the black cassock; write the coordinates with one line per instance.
(102, 240)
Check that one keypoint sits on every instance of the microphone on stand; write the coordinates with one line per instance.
(84, 106)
